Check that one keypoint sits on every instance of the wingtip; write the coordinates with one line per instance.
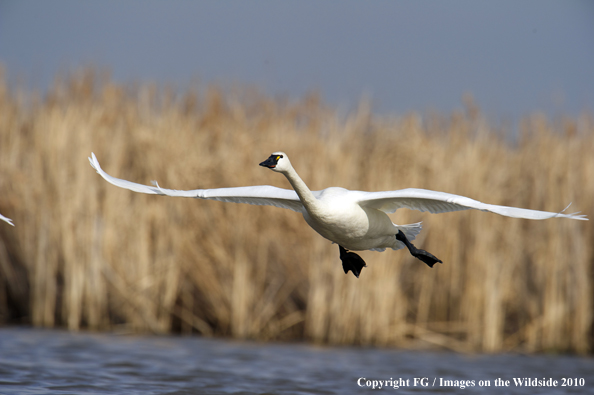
(7, 220)
(570, 216)
(576, 215)
(94, 162)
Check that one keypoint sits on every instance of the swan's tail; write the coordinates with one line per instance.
(411, 230)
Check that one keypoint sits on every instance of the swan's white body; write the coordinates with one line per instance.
(7, 220)
(356, 220)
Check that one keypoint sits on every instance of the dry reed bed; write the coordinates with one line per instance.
(85, 254)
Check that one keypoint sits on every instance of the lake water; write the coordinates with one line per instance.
(34, 361)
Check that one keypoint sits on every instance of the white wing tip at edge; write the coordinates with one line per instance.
(7, 220)
(576, 215)
(581, 217)
(94, 162)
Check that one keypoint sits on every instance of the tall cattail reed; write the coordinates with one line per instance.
(85, 254)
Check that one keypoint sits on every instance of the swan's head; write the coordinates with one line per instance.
(278, 161)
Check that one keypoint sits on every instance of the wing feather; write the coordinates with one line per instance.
(442, 202)
(5, 219)
(263, 195)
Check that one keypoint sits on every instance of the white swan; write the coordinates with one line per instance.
(355, 220)
(7, 220)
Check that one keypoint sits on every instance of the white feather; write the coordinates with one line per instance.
(7, 220)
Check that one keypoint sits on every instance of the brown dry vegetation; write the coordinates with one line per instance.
(85, 254)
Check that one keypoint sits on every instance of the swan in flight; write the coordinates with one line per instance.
(355, 220)
(7, 220)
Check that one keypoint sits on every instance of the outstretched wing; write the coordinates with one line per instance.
(441, 202)
(263, 195)
(7, 220)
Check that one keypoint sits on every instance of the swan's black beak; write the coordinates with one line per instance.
(271, 161)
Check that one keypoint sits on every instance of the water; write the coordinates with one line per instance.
(34, 361)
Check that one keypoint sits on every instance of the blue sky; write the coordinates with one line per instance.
(514, 57)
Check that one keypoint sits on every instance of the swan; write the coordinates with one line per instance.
(7, 220)
(355, 220)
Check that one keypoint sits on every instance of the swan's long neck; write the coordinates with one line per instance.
(312, 205)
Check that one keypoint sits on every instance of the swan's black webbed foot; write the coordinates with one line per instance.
(423, 255)
(351, 261)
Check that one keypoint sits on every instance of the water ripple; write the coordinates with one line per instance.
(34, 361)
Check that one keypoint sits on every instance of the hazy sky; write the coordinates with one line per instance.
(515, 57)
